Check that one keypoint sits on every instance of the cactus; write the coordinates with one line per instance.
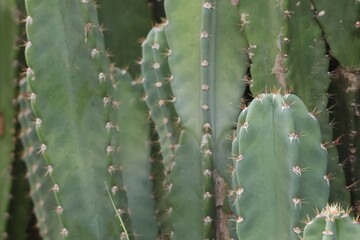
(293, 59)
(278, 161)
(194, 130)
(8, 31)
(333, 222)
(102, 164)
(80, 129)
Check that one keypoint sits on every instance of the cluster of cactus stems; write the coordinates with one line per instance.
(241, 121)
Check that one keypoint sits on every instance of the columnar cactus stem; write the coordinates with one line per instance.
(341, 23)
(71, 96)
(278, 149)
(206, 118)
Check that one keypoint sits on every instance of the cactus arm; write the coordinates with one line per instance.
(133, 135)
(7, 111)
(70, 81)
(264, 55)
(280, 142)
(212, 22)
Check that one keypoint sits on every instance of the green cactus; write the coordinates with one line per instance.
(193, 130)
(81, 132)
(8, 31)
(332, 223)
(40, 186)
(340, 22)
(102, 165)
(293, 59)
(279, 168)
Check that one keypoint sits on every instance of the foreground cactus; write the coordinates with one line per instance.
(280, 166)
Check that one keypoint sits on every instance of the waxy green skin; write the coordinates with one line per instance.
(341, 23)
(206, 118)
(132, 133)
(332, 223)
(39, 181)
(8, 31)
(278, 157)
(74, 100)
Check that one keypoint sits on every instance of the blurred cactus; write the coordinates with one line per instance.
(168, 142)
(8, 32)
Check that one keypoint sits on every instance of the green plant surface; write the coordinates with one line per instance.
(332, 223)
(159, 98)
(37, 168)
(341, 23)
(8, 31)
(307, 76)
(293, 59)
(132, 133)
(279, 168)
(206, 99)
(69, 80)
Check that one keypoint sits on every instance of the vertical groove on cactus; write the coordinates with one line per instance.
(346, 109)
